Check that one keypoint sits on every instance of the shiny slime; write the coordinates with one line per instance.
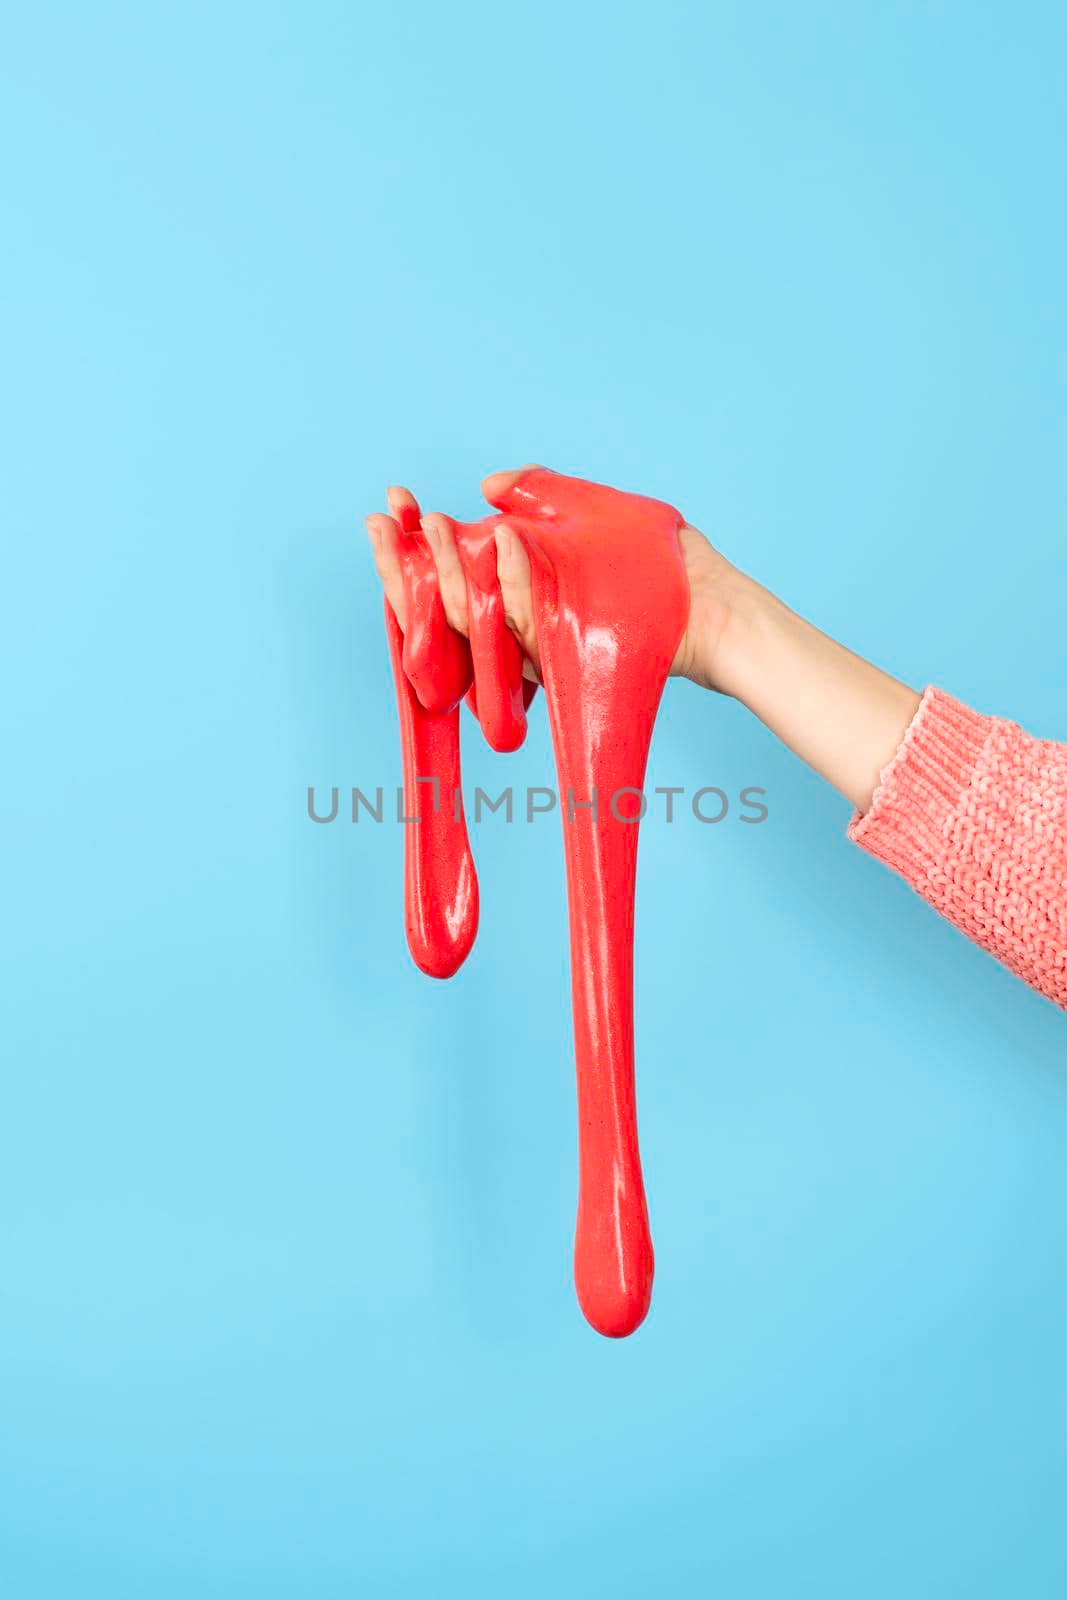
(610, 602)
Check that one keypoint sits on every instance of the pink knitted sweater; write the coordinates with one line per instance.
(973, 813)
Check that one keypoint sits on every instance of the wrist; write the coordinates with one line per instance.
(750, 616)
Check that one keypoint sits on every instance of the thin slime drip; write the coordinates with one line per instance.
(610, 601)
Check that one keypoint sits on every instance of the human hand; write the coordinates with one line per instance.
(717, 590)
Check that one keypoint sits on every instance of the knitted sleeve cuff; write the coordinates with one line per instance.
(911, 811)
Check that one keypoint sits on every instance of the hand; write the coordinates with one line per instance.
(716, 588)
(840, 714)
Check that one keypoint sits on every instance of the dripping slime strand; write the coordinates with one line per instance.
(431, 670)
(610, 602)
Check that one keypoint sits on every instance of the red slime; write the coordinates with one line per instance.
(610, 601)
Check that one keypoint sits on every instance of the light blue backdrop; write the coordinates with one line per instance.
(285, 1228)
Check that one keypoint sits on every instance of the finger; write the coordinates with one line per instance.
(513, 573)
(441, 537)
(382, 531)
(498, 486)
(404, 506)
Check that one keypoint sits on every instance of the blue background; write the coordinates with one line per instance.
(286, 1228)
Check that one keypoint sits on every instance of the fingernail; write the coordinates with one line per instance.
(374, 533)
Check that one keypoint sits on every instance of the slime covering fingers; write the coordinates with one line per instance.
(501, 694)
(436, 658)
(513, 573)
(440, 531)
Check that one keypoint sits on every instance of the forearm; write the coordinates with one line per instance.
(840, 714)
(969, 809)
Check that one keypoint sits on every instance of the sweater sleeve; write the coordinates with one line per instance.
(972, 812)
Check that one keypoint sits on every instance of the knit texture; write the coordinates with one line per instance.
(972, 812)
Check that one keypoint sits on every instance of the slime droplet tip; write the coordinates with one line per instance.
(617, 1317)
